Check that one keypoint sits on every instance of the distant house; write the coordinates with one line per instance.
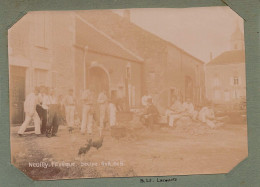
(225, 74)
(101, 49)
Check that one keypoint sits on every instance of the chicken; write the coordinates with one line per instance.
(86, 148)
(98, 143)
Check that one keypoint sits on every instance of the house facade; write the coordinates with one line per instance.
(225, 74)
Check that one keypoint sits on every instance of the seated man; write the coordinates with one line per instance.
(189, 109)
(206, 115)
(175, 111)
(150, 115)
(145, 98)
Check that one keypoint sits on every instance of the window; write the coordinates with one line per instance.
(41, 32)
(236, 81)
(128, 71)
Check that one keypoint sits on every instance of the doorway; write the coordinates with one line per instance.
(17, 94)
(188, 88)
(98, 80)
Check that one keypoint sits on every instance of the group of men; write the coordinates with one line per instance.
(48, 111)
(105, 107)
(44, 109)
(176, 111)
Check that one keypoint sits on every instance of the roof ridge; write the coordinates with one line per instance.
(229, 57)
(153, 35)
(110, 38)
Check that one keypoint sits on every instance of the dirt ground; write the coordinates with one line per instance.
(189, 148)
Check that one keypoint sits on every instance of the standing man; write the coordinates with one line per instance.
(69, 102)
(30, 113)
(45, 100)
(87, 111)
(102, 102)
(112, 113)
(52, 123)
(39, 108)
(120, 100)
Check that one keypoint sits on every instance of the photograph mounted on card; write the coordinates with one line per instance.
(127, 92)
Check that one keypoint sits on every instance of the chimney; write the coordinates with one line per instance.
(126, 14)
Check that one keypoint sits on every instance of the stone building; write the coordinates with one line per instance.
(225, 74)
(167, 69)
(67, 50)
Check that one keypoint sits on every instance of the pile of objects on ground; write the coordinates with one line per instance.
(186, 125)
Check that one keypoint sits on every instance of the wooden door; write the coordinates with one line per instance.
(17, 94)
(98, 79)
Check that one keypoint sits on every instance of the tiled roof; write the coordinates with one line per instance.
(97, 41)
(143, 43)
(229, 57)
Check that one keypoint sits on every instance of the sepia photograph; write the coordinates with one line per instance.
(127, 92)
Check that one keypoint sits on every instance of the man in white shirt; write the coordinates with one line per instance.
(87, 111)
(145, 99)
(102, 102)
(30, 113)
(52, 97)
(189, 109)
(69, 102)
(206, 115)
(175, 111)
(112, 113)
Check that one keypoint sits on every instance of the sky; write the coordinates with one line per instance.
(199, 31)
